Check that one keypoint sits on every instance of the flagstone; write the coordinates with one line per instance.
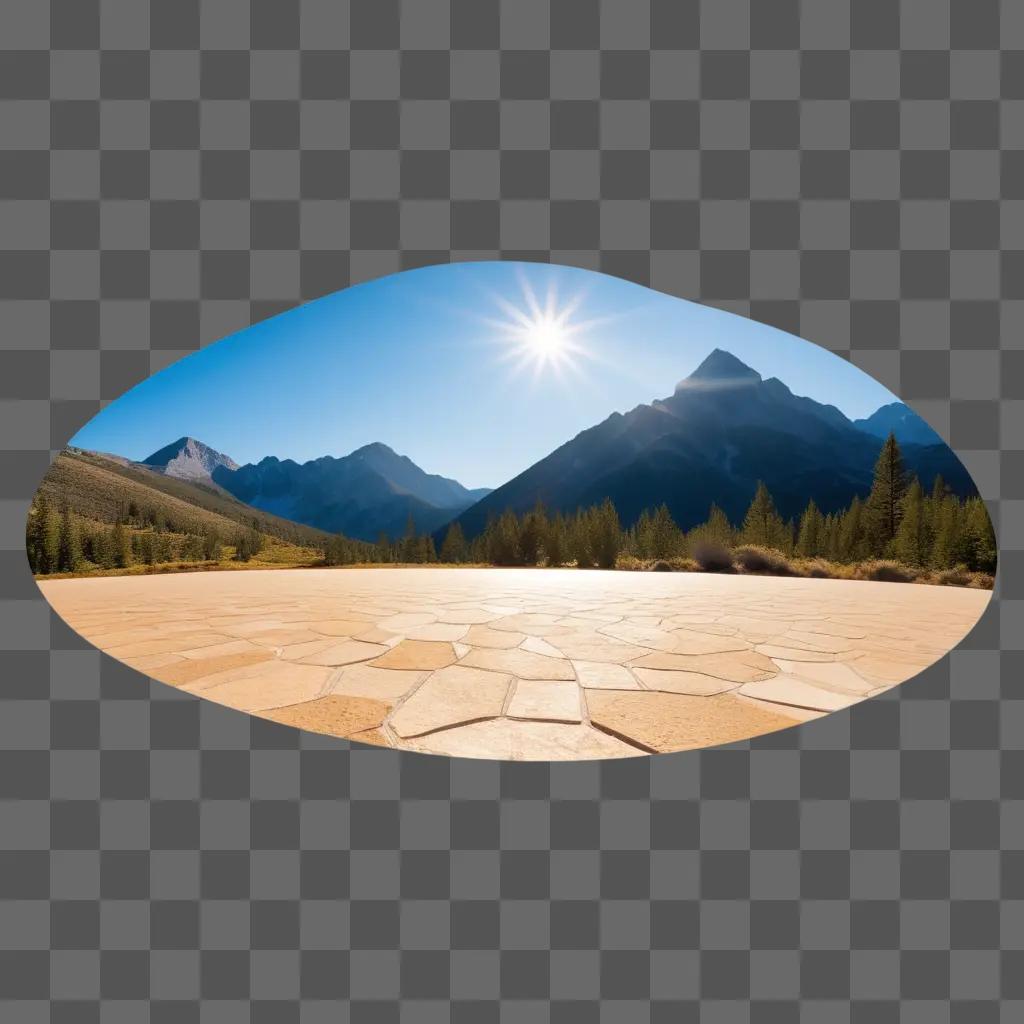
(604, 675)
(343, 652)
(338, 627)
(536, 645)
(787, 689)
(371, 737)
(509, 740)
(449, 696)
(524, 664)
(549, 700)
(228, 647)
(320, 634)
(189, 669)
(336, 716)
(737, 666)
(272, 684)
(379, 636)
(405, 620)
(642, 635)
(166, 645)
(150, 662)
(365, 680)
(662, 722)
(283, 637)
(675, 681)
(596, 647)
(485, 636)
(793, 653)
(690, 641)
(417, 654)
(836, 675)
(437, 631)
(467, 616)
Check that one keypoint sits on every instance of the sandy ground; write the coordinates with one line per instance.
(517, 663)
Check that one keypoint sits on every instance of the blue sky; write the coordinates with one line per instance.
(434, 363)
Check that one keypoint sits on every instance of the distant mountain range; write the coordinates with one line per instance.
(897, 419)
(372, 491)
(723, 428)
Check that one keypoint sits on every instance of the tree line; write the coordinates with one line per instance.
(897, 520)
(58, 540)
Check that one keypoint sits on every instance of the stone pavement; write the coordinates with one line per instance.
(524, 664)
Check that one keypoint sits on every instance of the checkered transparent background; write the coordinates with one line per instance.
(171, 172)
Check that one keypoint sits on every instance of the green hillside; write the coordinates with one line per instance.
(98, 487)
(96, 513)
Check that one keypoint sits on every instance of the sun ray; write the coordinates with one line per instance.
(540, 331)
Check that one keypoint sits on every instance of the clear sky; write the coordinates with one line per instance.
(473, 370)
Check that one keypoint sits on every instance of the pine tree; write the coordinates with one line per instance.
(716, 530)
(531, 535)
(980, 536)
(666, 538)
(43, 537)
(811, 536)
(425, 550)
(211, 547)
(641, 536)
(409, 547)
(503, 539)
(948, 544)
(884, 506)
(606, 534)
(763, 525)
(453, 549)
(852, 541)
(69, 558)
(910, 545)
(121, 546)
(248, 544)
(578, 530)
(554, 541)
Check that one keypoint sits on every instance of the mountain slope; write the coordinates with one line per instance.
(899, 419)
(723, 429)
(371, 491)
(188, 459)
(99, 487)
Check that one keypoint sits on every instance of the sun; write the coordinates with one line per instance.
(545, 337)
(542, 334)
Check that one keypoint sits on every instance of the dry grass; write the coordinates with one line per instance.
(753, 560)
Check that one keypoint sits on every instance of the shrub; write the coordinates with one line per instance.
(885, 570)
(712, 557)
(630, 563)
(661, 566)
(754, 558)
(683, 565)
(818, 569)
(958, 576)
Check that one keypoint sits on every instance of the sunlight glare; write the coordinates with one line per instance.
(541, 334)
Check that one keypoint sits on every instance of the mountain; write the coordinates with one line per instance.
(189, 459)
(373, 490)
(723, 429)
(100, 487)
(899, 419)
